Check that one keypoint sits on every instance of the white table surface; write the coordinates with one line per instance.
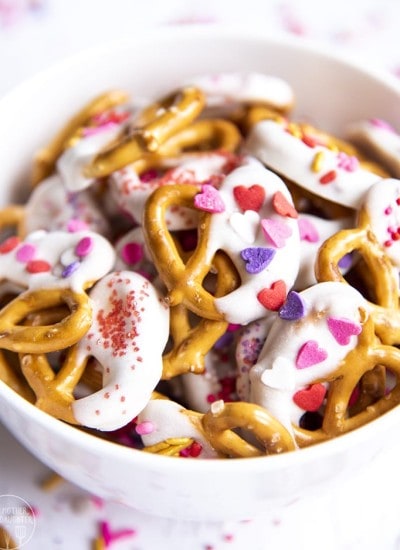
(359, 514)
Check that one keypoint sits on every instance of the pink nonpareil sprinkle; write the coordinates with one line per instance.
(132, 252)
(94, 130)
(74, 225)
(145, 428)
(25, 253)
(109, 536)
(84, 247)
(347, 162)
(383, 124)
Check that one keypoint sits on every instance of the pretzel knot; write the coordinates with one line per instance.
(17, 337)
(184, 281)
(362, 360)
(191, 344)
(223, 418)
(125, 306)
(46, 158)
(383, 288)
(155, 125)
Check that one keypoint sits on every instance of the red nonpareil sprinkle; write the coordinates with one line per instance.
(9, 244)
(195, 449)
(328, 177)
(38, 266)
(309, 141)
(118, 326)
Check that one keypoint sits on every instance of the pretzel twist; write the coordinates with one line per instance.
(17, 337)
(191, 344)
(45, 159)
(156, 124)
(184, 281)
(362, 360)
(385, 311)
(221, 420)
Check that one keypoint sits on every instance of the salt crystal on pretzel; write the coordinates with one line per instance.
(379, 140)
(313, 333)
(162, 420)
(128, 334)
(332, 175)
(253, 87)
(51, 207)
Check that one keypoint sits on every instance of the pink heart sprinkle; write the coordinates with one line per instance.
(308, 231)
(310, 354)
(343, 329)
(132, 252)
(209, 200)
(276, 231)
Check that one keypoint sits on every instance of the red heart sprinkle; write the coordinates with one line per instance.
(274, 297)
(249, 198)
(282, 206)
(311, 398)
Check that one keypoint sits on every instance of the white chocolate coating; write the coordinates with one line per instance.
(131, 192)
(234, 230)
(66, 269)
(248, 348)
(71, 163)
(51, 207)
(380, 140)
(218, 380)
(382, 205)
(253, 87)
(313, 232)
(298, 352)
(129, 331)
(290, 157)
(171, 420)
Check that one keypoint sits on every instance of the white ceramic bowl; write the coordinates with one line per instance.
(330, 92)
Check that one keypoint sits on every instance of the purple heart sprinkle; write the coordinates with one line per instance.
(293, 308)
(257, 258)
(70, 269)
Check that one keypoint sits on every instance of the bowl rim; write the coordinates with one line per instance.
(104, 447)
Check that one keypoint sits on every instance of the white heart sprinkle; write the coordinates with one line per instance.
(245, 225)
(281, 376)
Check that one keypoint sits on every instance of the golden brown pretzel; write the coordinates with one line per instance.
(184, 281)
(45, 158)
(363, 359)
(156, 124)
(223, 418)
(10, 374)
(54, 391)
(191, 344)
(17, 336)
(385, 305)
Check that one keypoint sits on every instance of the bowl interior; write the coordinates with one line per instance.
(331, 93)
